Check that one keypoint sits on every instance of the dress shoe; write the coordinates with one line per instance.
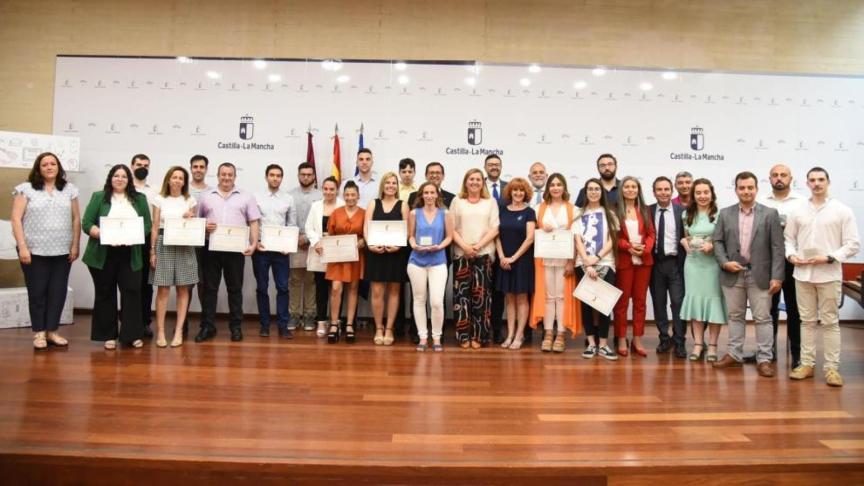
(727, 362)
(148, 332)
(205, 334)
(286, 333)
(801, 372)
(264, 332)
(680, 351)
(766, 369)
(639, 351)
(665, 346)
(833, 378)
(236, 334)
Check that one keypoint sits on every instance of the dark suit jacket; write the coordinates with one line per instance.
(767, 254)
(677, 211)
(447, 197)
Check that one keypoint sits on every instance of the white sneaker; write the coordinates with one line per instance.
(606, 352)
(590, 352)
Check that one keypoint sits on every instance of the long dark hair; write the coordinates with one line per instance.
(611, 219)
(640, 202)
(108, 190)
(693, 208)
(564, 195)
(35, 177)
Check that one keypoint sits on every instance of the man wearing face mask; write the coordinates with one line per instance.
(607, 167)
(140, 166)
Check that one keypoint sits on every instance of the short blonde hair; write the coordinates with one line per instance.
(484, 193)
(384, 178)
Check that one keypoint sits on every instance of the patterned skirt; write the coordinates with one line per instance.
(175, 265)
(472, 298)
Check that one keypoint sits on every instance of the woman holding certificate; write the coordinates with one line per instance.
(316, 226)
(431, 228)
(46, 223)
(703, 297)
(475, 226)
(596, 231)
(385, 264)
(634, 262)
(554, 278)
(346, 220)
(172, 265)
(113, 266)
(516, 258)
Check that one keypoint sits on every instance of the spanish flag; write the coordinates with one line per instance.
(337, 160)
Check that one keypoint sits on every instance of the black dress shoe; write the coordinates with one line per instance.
(681, 351)
(236, 334)
(264, 332)
(148, 333)
(286, 333)
(665, 346)
(205, 334)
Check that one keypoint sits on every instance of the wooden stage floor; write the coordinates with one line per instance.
(302, 411)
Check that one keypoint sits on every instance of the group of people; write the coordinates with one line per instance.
(708, 264)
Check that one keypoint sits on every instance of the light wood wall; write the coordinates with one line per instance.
(812, 36)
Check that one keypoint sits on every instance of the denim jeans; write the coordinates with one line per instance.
(263, 263)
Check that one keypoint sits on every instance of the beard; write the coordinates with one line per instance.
(304, 186)
(779, 186)
(607, 176)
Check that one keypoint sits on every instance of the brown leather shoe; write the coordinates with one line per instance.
(727, 362)
(765, 369)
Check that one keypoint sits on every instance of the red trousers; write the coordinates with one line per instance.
(633, 282)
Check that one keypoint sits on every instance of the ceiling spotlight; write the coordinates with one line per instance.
(646, 86)
(525, 82)
(403, 79)
(534, 68)
(184, 60)
(259, 64)
(400, 66)
(598, 71)
(670, 75)
(274, 78)
(343, 79)
(580, 85)
(331, 65)
(213, 75)
(471, 81)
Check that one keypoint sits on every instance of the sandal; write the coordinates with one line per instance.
(697, 356)
(507, 342)
(560, 343)
(379, 336)
(110, 345)
(711, 357)
(437, 347)
(333, 333)
(322, 329)
(350, 337)
(517, 343)
(39, 341)
(388, 337)
(422, 346)
(178, 340)
(137, 343)
(546, 345)
(56, 339)
(475, 344)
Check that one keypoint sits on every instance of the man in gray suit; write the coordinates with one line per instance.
(748, 244)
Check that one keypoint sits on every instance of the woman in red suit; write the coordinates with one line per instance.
(633, 263)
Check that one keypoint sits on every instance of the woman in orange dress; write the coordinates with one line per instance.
(345, 221)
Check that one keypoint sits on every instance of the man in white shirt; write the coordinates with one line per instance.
(366, 182)
(301, 284)
(820, 234)
(784, 199)
(537, 175)
(140, 166)
(277, 209)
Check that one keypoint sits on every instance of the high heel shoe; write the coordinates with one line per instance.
(694, 356)
(161, 342)
(379, 336)
(507, 342)
(639, 351)
(711, 357)
(546, 345)
(388, 337)
(350, 337)
(623, 352)
(333, 333)
(178, 339)
(560, 343)
(517, 343)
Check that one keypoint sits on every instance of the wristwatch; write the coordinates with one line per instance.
(831, 259)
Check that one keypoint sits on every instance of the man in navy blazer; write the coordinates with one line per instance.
(667, 274)
(492, 166)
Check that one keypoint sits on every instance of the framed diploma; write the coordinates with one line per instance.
(184, 231)
(121, 231)
(597, 293)
(280, 238)
(387, 233)
(229, 238)
(339, 248)
(554, 244)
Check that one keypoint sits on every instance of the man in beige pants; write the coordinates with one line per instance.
(820, 234)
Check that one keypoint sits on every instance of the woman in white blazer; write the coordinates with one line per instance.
(316, 226)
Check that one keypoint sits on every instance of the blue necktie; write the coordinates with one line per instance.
(495, 190)
(661, 234)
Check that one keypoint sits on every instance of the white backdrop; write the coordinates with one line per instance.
(171, 109)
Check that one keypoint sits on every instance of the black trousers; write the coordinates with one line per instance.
(217, 263)
(601, 329)
(322, 297)
(667, 279)
(146, 288)
(116, 273)
(793, 318)
(47, 279)
(497, 306)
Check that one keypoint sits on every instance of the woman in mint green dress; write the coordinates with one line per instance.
(703, 298)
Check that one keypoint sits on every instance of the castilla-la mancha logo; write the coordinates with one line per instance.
(247, 127)
(697, 138)
(475, 132)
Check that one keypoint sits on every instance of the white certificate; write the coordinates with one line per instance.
(387, 233)
(229, 238)
(339, 248)
(298, 259)
(554, 244)
(184, 231)
(121, 231)
(280, 238)
(808, 253)
(314, 262)
(597, 293)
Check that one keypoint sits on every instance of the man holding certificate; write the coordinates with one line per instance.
(277, 213)
(232, 225)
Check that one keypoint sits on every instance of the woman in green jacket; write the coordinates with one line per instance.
(114, 267)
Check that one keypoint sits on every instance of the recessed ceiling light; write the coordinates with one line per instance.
(400, 66)
(259, 64)
(670, 75)
(213, 75)
(534, 68)
(646, 86)
(344, 78)
(184, 60)
(471, 81)
(598, 71)
(403, 79)
(580, 85)
(274, 78)
(525, 82)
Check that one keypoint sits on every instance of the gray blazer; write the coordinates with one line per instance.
(767, 254)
